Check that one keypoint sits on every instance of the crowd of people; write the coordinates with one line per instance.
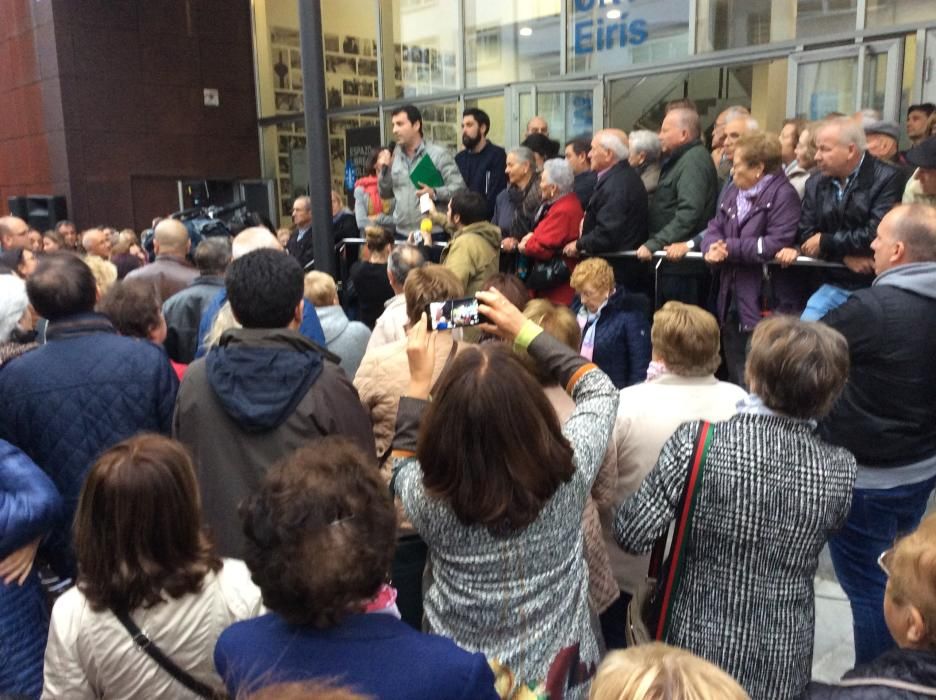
(225, 474)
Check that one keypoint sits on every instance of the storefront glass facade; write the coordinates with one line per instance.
(582, 64)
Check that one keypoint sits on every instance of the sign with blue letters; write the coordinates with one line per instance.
(592, 34)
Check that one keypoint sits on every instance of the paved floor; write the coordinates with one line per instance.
(834, 652)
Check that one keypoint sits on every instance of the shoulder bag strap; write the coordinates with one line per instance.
(168, 665)
(686, 509)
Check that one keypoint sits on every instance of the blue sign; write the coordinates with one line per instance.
(601, 34)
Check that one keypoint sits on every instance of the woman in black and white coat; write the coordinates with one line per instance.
(770, 493)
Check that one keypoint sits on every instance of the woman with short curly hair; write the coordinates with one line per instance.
(321, 533)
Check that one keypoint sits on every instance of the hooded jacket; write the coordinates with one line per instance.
(261, 394)
(887, 413)
(474, 254)
(347, 339)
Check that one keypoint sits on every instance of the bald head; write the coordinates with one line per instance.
(914, 225)
(253, 238)
(171, 238)
(13, 232)
(537, 125)
(96, 242)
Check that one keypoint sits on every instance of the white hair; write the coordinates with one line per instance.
(523, 154)
(611, 142)
(13, 303)
(735, 112)
(648, 142)
(559, 173)
(849, 132)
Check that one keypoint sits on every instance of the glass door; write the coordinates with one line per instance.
(846, 79)
(569, 108)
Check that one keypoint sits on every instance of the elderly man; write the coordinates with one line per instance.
(886, 416)
(922, 187)
(170, 272)
(841, 210)
(13, 233)
(734, 130)
(537, 125)
(685, 197)
(300, 243)
(391, 324)
(95, 241)
(616, 215)
(718, 136)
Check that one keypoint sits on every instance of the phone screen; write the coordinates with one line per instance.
(453, 313)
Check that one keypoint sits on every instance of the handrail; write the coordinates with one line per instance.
(801, 260)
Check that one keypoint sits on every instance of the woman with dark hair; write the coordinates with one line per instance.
(368, 281)
(758, 216)
(767, 496)
(142, 554)
(369, 208)
(321, 531)
(497, 489)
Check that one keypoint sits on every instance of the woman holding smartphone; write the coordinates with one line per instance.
(502, 516)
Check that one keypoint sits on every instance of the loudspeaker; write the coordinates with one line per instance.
(43, 211)
(18, 207)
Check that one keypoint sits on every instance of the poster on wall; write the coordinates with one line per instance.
(359, 142)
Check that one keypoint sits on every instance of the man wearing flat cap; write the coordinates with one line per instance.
(922, 186)
(882, 139)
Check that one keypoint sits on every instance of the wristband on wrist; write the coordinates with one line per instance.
(527, 333)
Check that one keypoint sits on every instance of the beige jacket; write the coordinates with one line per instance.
(648, 414)
(391, 324)
(91, 655)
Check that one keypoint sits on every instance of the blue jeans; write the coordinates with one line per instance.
(823, 300)
(876, 519)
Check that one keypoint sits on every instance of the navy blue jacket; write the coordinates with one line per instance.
(376, 654)
(484, 172)
(68, 401)
(29, 507)
(622, 339)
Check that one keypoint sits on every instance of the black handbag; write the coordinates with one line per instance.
(546, 274)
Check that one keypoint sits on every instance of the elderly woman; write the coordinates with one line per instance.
(15, 319)
(556, 223)
(799, 171)
(144, 563)
(497, 489)
(757, 217)
(644, 157)
(681, 386)
(515, 207)
(320, 538)
(768, 494)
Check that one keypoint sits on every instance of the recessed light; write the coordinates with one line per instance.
(614, 14)
(525, 31)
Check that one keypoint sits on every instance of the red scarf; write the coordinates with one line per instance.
(369, 185)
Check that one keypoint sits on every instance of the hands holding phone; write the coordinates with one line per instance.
(503, 318)
(420, 351)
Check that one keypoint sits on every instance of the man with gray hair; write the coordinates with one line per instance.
(645, 152)
(170, 272)
(616, 215)
(183, 311)
(886, 415)
(391, 324)
(842, 207)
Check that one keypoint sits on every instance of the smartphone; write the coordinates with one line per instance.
(453, 313)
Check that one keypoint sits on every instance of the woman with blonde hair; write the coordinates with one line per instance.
(660, 672)
(368, 281)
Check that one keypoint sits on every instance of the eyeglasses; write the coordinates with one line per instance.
(884, 561)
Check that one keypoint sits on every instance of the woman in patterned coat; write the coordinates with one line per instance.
(770, 492)
(497, 488)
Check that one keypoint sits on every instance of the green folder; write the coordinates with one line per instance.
(426, 173)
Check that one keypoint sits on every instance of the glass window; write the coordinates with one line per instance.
(276, 37)
(424, 38)
(826, 86)
(817, 18)
(510, 41)
(350, 139)
(735, 24)
(349, 32)
(284, 162)
(884, 12)
(608, 34)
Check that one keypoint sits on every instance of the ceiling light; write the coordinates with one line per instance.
(614, 14)
(525, 31)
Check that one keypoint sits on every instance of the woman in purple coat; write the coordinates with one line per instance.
(758, 216)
